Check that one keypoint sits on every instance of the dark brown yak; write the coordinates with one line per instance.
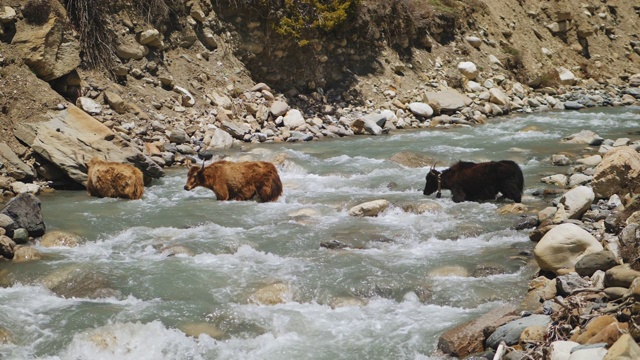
(115, 180)
(237, 181)
(476, 182)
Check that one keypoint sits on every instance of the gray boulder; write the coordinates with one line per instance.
(236, 129)
(590, 263)
(510, 332)
(25, 211)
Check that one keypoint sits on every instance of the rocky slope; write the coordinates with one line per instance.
(209, 75)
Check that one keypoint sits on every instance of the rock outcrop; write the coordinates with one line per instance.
(49, 51)
(70, 138)
(618, 173)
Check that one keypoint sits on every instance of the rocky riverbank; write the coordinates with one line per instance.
(584, 303)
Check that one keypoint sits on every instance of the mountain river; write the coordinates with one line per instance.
(404, 279)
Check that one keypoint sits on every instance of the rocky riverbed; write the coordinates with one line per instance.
(584, 301)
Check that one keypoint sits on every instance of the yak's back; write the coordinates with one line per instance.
(260, 175)
(116, 180)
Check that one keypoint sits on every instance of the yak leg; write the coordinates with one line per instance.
(247, 192)
(511, 191)
(458, 194)
(222, 193)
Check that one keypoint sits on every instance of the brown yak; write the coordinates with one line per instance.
(237, 181)
(112, 179)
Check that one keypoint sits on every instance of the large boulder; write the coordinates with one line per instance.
(129, 48)
(293, 119)
(236, 129)
(371, 208)
(577, 200)
(150, 37)
(620, 276)
(584, 137)
(447, 101)
(7, 16)
(219, 139)
(25, 211)
(420, 109)
(72, 282)
(71, 137)
(510, 332)
(563, 246)
(48, 50)
(624, 349)
(617, 173)
(566, 76)
(365, 125)
(468, 69)
(498, 97)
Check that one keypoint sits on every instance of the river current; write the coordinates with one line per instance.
(405, 279)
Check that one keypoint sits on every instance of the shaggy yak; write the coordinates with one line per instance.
(476, 182)
(112, 179)
(237, 181)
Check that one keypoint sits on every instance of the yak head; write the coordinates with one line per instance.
(433, 182)
(195, 177)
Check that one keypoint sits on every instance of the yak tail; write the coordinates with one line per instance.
(276, 187)
(272, 187)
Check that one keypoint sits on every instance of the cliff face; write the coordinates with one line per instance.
(193, 66)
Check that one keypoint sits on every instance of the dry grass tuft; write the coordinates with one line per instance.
(36, 12)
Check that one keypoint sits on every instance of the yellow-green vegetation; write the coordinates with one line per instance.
(297, 18)
(443, 6)
(514, 60)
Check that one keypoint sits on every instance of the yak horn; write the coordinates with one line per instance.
(201, 169)
(434, 165)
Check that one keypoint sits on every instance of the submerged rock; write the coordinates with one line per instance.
(270, 295)
(197, 329)
(371, 208)
(59, 238)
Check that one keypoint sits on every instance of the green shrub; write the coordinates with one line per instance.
(36, 11)
(297, 18)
